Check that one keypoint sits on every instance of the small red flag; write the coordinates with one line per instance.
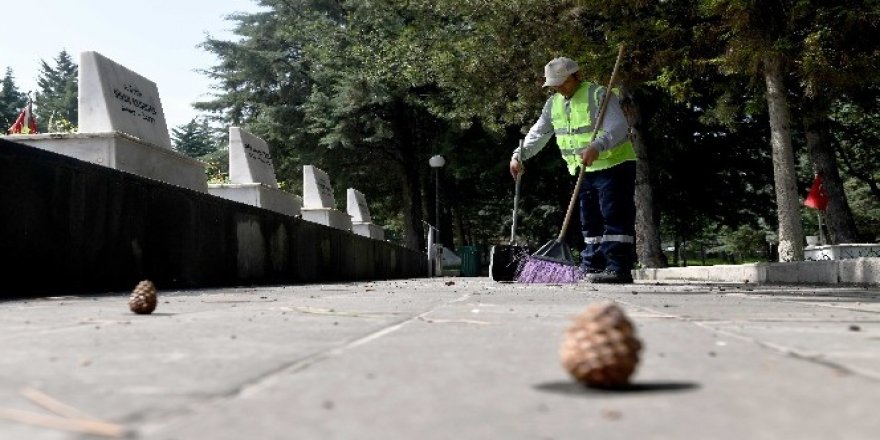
(817, 198)
(26, 123)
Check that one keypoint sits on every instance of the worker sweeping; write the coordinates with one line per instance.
(607, 208)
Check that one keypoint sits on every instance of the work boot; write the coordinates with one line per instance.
(610, 277)
(587, 272)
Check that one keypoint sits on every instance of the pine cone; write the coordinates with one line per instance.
(600, 348)
(143, 298)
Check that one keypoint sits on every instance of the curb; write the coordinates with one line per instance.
(861, 271)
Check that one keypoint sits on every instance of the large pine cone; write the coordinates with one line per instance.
(600, 348)
(143, 299)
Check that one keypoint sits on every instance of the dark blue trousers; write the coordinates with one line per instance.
(608, 218)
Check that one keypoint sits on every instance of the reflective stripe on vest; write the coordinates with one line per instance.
(573, 125)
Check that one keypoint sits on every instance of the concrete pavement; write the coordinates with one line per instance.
(447, 358)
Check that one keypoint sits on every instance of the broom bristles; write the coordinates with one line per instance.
(536, 270)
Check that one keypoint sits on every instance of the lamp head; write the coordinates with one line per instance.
(437, 161)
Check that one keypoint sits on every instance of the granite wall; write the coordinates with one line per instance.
(68, 226)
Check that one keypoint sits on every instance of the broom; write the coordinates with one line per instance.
(552, 263)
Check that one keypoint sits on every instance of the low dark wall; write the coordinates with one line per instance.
(68, 226)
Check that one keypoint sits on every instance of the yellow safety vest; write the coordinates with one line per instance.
(574, 130)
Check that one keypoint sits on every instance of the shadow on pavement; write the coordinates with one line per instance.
(575, 388)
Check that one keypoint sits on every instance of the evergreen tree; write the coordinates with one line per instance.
(197, 139)
(834, 60)
(194, 139)
(58, 94)
(11, 101)
(374, 90)
(369, 91)
(856, 127)
(757, 39)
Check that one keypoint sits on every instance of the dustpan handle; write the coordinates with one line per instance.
(599, 120)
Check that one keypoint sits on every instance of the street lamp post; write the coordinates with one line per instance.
(436, 163)
(434, 249)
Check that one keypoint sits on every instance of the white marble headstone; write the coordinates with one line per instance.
(317, 192)
(249, 159)
(114, 98)
(357, 206)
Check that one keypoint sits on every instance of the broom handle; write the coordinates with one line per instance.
(599, 120)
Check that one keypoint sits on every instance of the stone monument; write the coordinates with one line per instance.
(319, 204)
(361, 221)
(121, 126)
(252, 176)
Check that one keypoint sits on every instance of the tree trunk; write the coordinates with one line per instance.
(458, 225)
(791, 235)
(412, 208)
(683, 248)
(839, 217)
(648, 248)
(676, 248)
(410, 178)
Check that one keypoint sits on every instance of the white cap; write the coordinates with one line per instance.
(558, 70)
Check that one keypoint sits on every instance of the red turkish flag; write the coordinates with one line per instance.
(817, 198)
(26, 123)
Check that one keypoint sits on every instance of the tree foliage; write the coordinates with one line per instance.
(370, 90)
(199, 140)
(195, 138)
(11, 100)
(58, 94)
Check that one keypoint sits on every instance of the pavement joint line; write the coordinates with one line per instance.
(831, 306)
(258, 384)
(654, 313)
(790, 352)
(67, 327)
(253, 386)
(770, 321)
(793, 353)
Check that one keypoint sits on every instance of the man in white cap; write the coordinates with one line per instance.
(606, 195)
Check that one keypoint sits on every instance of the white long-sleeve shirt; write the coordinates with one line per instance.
(615, 127)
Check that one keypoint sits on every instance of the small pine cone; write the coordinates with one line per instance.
(143, 298)
(600, 348)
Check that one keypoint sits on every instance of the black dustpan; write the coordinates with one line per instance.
(504, 259)
(555, 251)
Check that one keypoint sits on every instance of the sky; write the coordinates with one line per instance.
(158, 39)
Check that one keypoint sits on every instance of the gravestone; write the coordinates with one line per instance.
(361, 221)
(319, 204)
(252, 176)
(113, 98)
(250, 159)
(121, 126)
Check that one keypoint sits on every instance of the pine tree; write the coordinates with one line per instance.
(58, 94)
(200, 141)
(194, 139)
(757, 39)
(374, 90)
(835, 63)
(11, 101)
